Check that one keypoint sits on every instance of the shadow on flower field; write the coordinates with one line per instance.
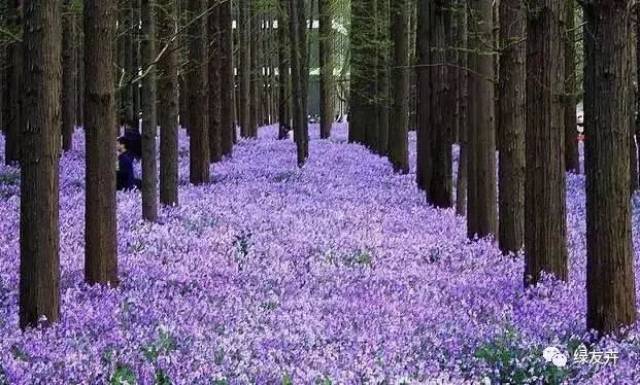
(337, 273)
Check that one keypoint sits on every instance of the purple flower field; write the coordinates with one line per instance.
(337, 273)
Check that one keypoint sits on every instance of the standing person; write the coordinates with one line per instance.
(126, 179)
(133, 138)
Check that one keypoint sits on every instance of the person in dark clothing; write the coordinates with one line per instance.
(134, 139)
(125, 179)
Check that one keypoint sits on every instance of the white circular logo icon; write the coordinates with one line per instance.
(554, 355)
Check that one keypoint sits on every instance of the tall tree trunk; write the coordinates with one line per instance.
(435, 140)
(149, 117)
(545, 224)
(571, 157)
(101, 264)
(120, 63)
(197, 87)
(4, 109)
(298, 41)
(611, 300)
(168, 104)
(137, 60)
(451, 82)
(512, 122)
(245, 67)
(634, 183)
(272, 44)
(284, 118)
(399, 127)
(227, 82)
(183, 100)
(326, 68)
(214, 63)
(68, 76)
(637, 122)
(481, 160)
(463, 122)
(130, 71)
(183, 65)
(14, 84)
(39, 198)
(80, 74)
(362, 114)
(254, 97)
(372, 129)
(383, 81)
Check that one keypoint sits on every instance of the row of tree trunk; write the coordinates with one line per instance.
(42, 124)
(455, 91)
(510, 87)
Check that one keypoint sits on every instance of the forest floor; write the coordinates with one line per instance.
(337, 273)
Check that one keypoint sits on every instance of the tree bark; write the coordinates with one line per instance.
(69, 68)
(434, 140)
(149, 117)
(39, 198)
(637, 122)
(372, 128)
(197, 87)
(571, 157)
(326, 68)
(545, 224)
(15, 59)
(481, 160)
(399, 127)
(463, 122)
(227, 82)
(284, 63)
(383, 81)
(298, 42)
(168, 104)
(101, 264)
(80, 74)
(136, 54)
(255, 71)
(512, 123)
(244, 70)
(362, 117)
(130, 70)
(214, 63)
(611, 301)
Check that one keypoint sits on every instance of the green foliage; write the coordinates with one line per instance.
(10, 178)
(361, 258)
(123, 375)
(324, 381)
(162, 378)
(107, 356)
(164, 344)
(3, 377)
(434, 256)
(269, 305)
(286, 379)
(218, 357)
(199, 225)
(19, 354)
(514, 364)
(242, 244)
